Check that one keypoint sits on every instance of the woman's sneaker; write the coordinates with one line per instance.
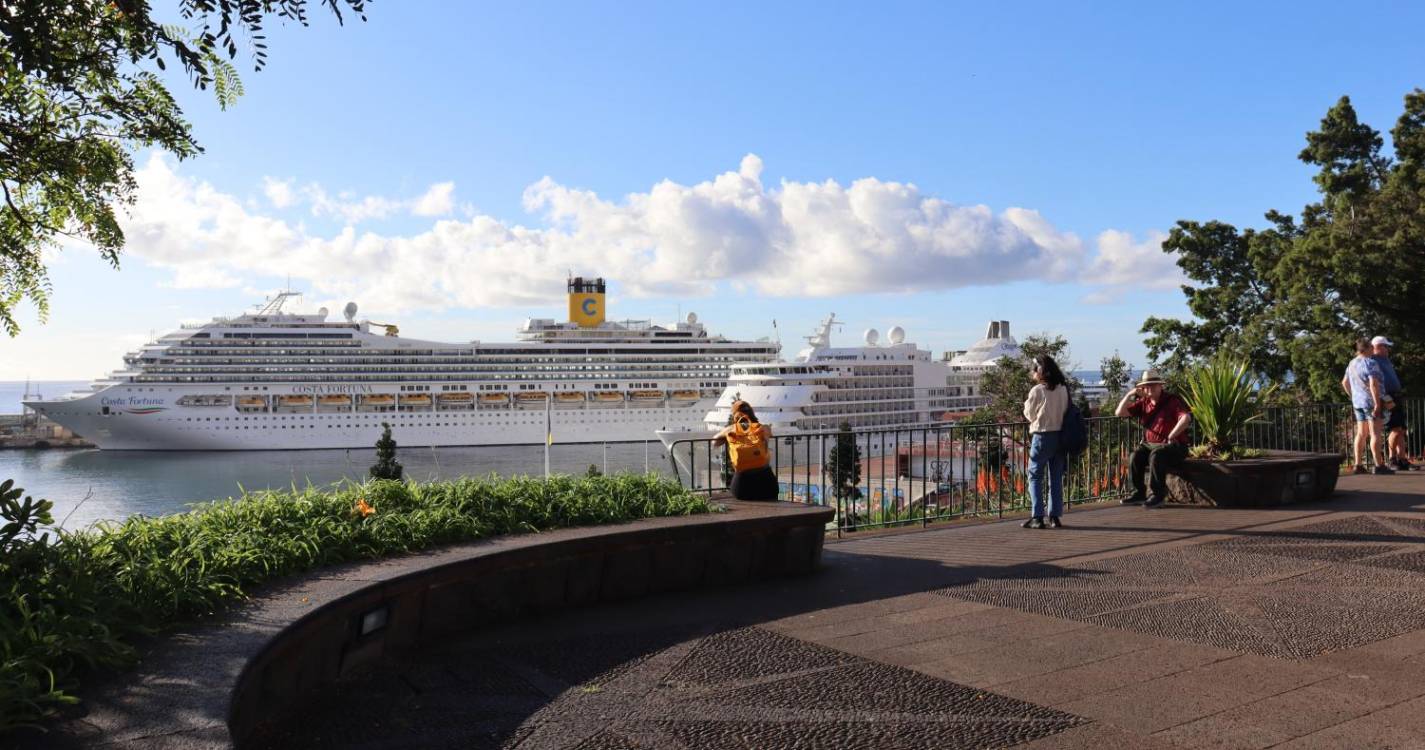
(1360, 469)
(1382, 469)
(1401, 464)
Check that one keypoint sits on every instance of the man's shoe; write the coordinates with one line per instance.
(1153, 502)
(1033, 523)
(1382, 469)
(1360, 469)
(1133, 499)
(1054, 523)
(1403, 465)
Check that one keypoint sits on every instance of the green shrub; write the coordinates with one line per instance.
(77, 599)
(1224, 397)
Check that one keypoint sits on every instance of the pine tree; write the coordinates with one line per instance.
(386, 466)
(843, 465)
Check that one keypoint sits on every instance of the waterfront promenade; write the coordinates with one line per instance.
(1131, 628)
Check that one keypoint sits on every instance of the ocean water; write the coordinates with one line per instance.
(91, 485)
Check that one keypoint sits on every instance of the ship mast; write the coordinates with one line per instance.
(822, 338)
(274, 304)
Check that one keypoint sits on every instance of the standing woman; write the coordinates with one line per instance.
(1045, 411)
(753, 478)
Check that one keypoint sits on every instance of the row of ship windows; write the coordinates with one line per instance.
(350, 417)
(350, 377)
(467, 423)
(519, 354)
(309, 362)
(473, 372)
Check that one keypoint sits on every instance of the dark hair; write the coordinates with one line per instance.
(1053, 376)
(1363, 346)
(742, 407)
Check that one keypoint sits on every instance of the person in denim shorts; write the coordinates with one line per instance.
(1395, 398)
(1363, 382)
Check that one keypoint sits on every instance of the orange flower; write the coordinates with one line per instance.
(362, 508)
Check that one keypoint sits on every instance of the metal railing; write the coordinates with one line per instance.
(918, 475)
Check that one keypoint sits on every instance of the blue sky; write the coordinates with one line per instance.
(444, 164)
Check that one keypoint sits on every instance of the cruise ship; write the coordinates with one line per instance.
(875, 386)
(274, 380)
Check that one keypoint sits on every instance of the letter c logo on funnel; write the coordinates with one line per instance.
(589, 305)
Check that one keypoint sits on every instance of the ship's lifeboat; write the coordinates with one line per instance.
(252, 403)
(711, 393)
(456, 398)
(569, 400)
(378, 399)
(646, 397)
(415, 399)
(683, 395)
(216, 400)
(531, 399)
(605, 399)
(342, 401)
(494, 399)
(294, 400)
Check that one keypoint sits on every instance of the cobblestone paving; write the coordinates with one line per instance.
(743, 688)
(1291, 593)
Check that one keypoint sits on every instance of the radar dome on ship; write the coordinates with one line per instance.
(896, 335)
(872, 336)
(692, 318)
(349, 311)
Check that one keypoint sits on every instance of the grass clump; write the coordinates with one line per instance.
(74, 600)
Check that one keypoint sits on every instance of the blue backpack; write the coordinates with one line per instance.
(1074, 434)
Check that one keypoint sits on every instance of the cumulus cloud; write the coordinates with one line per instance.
(278, 192)
(1122, 264)
(791, 239)
(438, 200)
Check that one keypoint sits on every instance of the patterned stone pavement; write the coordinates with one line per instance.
(1171, 628)
(1295, 593)
(739, 688)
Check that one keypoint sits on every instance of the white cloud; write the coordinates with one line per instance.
(437, 201)
(278, 192)
(1123, 264)
(794, 239)
(347, 207)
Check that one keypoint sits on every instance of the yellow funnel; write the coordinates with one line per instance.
(586, 302)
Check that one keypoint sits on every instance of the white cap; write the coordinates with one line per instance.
(1377, 341)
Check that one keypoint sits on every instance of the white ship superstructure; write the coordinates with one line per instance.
(877, 385)
(967, 368)
(272, 380)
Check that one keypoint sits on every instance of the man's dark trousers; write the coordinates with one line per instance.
(1156, 460)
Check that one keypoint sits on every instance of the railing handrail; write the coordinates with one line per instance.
(925, 472)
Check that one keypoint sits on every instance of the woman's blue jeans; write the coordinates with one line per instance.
(1046, 467)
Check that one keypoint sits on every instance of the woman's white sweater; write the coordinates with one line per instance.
(1045, 408)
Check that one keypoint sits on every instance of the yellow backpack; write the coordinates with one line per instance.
(747, 445)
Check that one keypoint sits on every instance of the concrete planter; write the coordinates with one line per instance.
(1277, 478)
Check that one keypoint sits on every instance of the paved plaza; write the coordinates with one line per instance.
(1131, 628)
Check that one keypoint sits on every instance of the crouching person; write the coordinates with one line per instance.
(1165, 418)
(749, 446)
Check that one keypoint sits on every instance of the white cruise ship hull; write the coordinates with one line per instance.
(151, 419)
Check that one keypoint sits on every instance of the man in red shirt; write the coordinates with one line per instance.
(1165, 419)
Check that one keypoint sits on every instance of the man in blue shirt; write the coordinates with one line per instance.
(1395, 423)
(1363, 383)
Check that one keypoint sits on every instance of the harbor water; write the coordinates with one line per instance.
(89, 485)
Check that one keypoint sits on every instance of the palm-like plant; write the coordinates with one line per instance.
(1224, 397)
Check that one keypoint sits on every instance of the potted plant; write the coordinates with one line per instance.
(1227, 400)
